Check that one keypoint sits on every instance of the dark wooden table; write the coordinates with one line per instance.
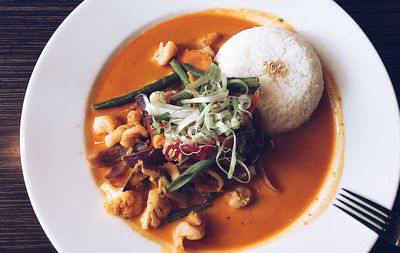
(26, 26)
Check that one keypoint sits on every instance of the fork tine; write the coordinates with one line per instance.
(364, 222)
(362, 213)
(370, 210)
(371, 203)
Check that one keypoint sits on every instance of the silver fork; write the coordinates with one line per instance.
(379, 219)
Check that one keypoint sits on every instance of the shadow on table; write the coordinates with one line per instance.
(34, 250)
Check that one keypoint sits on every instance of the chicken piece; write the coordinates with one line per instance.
(193, 228)
(208, 50)
(115, 136)
(158, 207)
(126, 204)
(165, 53)
(130, 135)
(104, 124)
(158, 141)
(196, 58)
(134, 116)
(239, 197)
(172, 170)
(208, 39)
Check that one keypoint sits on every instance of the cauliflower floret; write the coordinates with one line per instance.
(165, 53)
(158, 207)
(104, 124)
(239, 197)
(126, 204)
(191, 229)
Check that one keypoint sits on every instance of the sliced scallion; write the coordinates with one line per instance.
(179, 70)
(190, 173)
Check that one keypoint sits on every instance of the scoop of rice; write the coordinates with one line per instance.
(289, 70)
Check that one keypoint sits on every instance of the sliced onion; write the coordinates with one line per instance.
(203, 114)
(204, 187)
(208, 99)
(188, 120)
(217, 177)
(244, 102)
(264, 177)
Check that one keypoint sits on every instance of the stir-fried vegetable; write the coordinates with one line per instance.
(148, 89)
(207, 112)
(181, 73)
(190, 173)
(219, 114)
(180, 144)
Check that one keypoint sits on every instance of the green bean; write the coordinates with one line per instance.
(253, 85)
(241, 90)
(190, 173)
(252, 90)
(196, 73)
(237, 84)
(183, 94)
(148, 89)
(181, 73)
(164, 116)
(246, 79)
(252, 82)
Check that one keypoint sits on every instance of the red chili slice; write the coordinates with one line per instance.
(175, 152)
(148, 128)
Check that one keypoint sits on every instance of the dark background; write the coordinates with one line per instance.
(26, 26)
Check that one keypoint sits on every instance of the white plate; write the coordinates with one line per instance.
(61, 188)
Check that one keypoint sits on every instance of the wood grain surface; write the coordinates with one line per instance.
(26, 26)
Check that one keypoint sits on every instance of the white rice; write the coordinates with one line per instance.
(287, 101)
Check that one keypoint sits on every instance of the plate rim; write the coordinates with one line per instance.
(28, 96)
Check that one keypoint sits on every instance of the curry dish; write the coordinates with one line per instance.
(187, 162)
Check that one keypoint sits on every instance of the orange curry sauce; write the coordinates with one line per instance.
(298, 166)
